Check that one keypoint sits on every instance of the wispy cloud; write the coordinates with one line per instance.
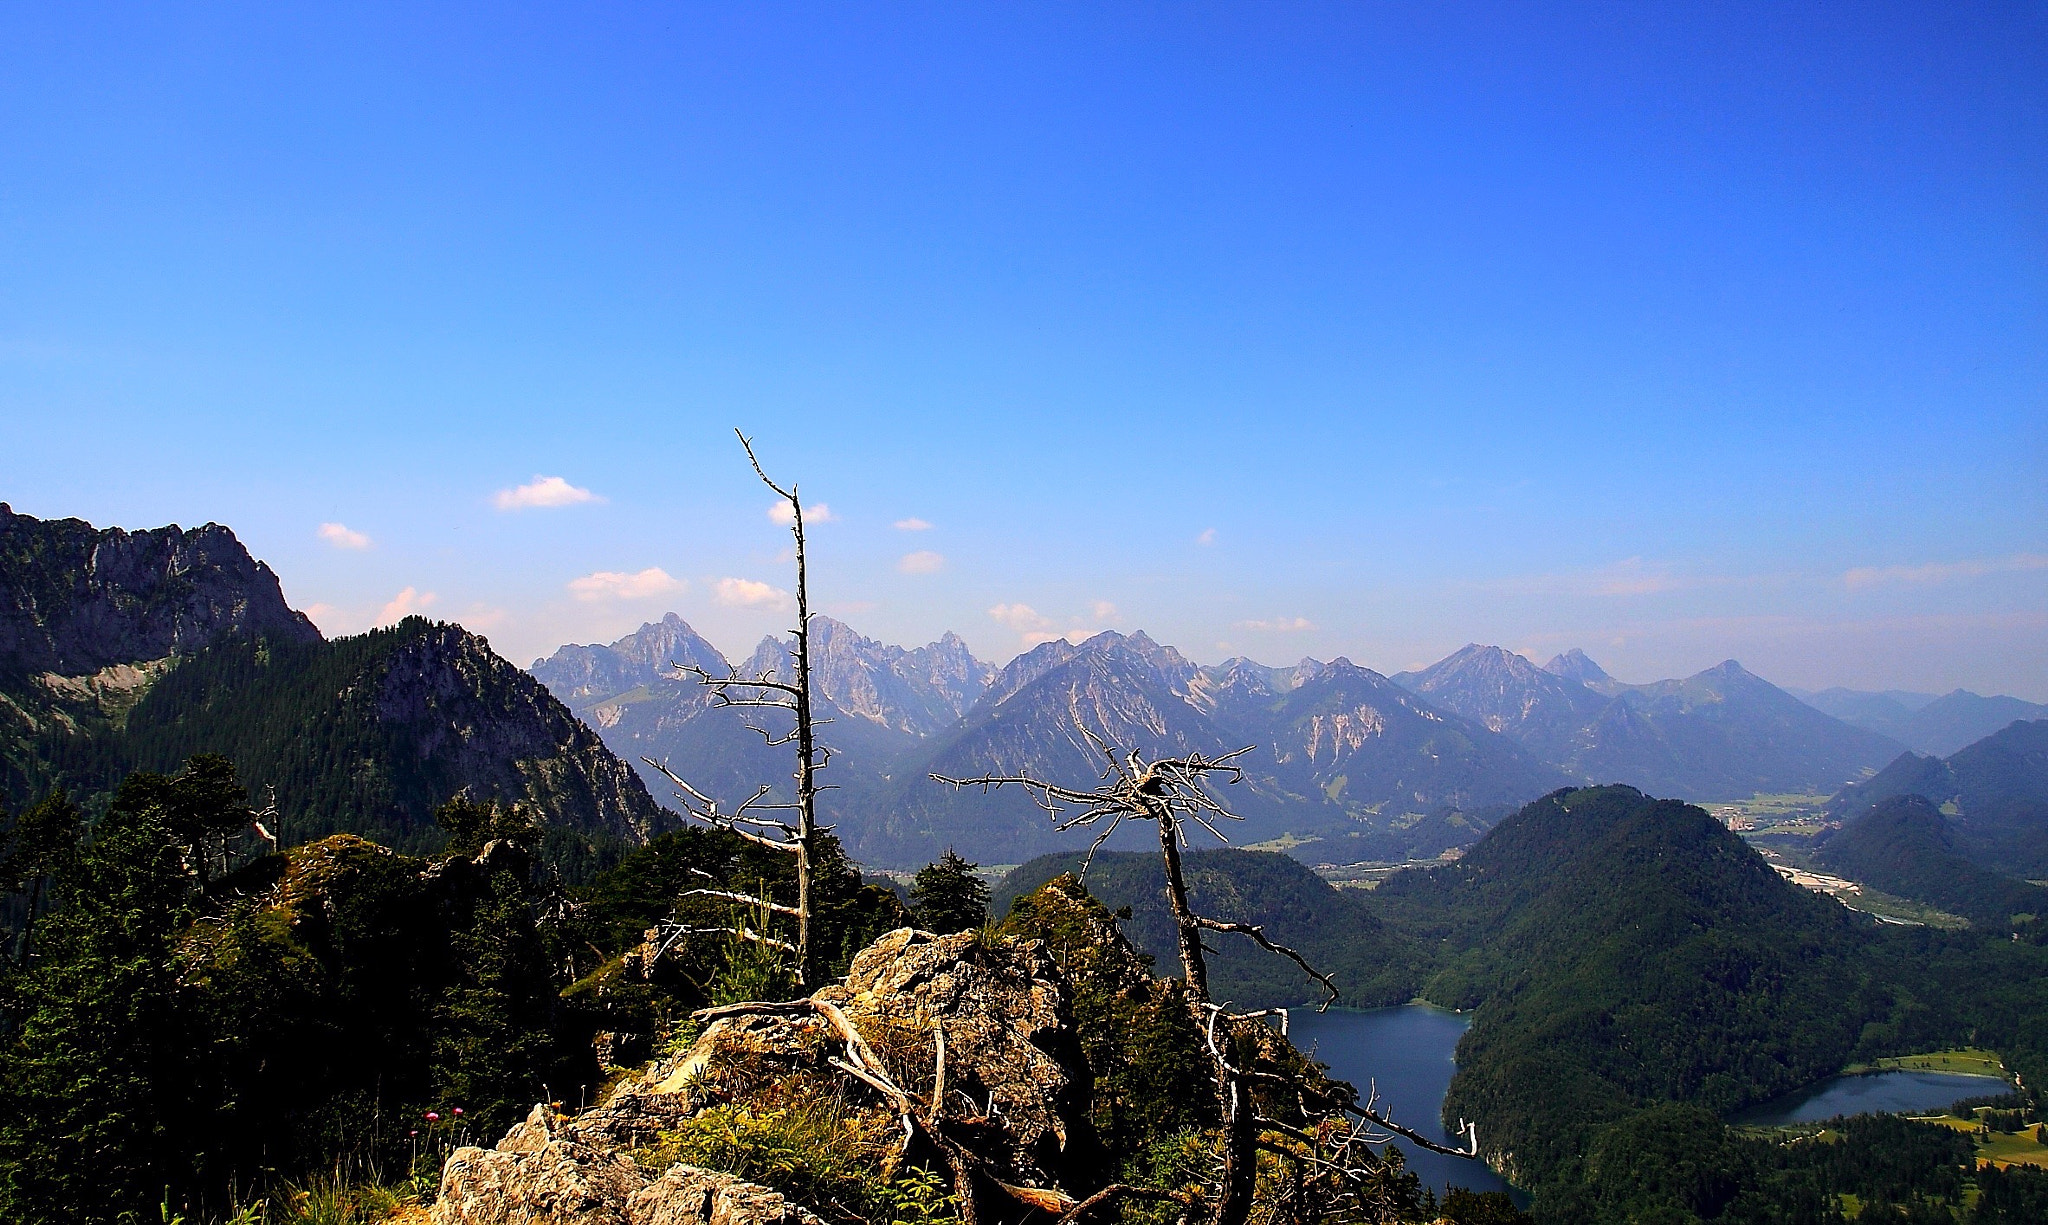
(912, 524)
(1940, 571)
(617, 585)
(817, 512)
(341, 537)
(924, 561)
(1104, 611)
(1032, 627)
(1631, 576)
(747, 593)
(1020, 617)
(544, 492)
(405, 604)
(1208, 536)
(1279, 625)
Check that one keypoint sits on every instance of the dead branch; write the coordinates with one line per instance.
(1118, 1190)
(1258, 935)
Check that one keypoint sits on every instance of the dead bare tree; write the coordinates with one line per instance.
(796, 831)
(1170, 792)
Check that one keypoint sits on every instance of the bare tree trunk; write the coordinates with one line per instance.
(1184, 923)
(1233, 1204)
(806, 749)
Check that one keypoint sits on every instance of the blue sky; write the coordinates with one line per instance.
(1675, 332)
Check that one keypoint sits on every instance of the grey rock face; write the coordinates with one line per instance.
(75, 599)
(487, 726)
(1017, 1092)
(546, 1172)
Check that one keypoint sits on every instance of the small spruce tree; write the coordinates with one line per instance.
(948, 897)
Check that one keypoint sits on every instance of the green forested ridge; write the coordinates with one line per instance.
(1996, 789)
(1905, 845)
(1340, 936)
(197, 1021)
(364, 734)
(1623, 951)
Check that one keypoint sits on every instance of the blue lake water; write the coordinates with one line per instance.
(1876, 1093)
(1408, 1052)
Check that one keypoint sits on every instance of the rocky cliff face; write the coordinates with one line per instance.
(75, 599)
(474, 719)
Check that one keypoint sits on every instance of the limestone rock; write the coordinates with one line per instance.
(544, 1173)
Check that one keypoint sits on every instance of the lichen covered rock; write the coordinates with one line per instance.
(547, 1173)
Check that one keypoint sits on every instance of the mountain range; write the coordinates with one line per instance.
(123, 650)
(1345, 764)
(1923, 722)
(134, 650)
(1722, 734)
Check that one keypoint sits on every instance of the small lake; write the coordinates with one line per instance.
(1409, 1052)
(1875, 1093)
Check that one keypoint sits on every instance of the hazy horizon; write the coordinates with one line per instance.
(1672, 334)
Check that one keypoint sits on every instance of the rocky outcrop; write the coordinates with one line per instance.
(1014, 1091)
(546, 1172)
(75, 599)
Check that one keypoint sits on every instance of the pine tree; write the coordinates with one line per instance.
(95, 1073)
(948, 897)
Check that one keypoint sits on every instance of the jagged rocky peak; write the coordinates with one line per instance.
(581, 675)
(75, 599)
(917, 691)
(1575, 665)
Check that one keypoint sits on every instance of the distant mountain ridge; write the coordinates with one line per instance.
(1721, 734)
(1340, 755)
(1346, 764)
(1924, 722)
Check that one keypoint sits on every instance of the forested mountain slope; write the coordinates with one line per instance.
(1995, 789)
(368, 734)
(1340, 936)
(1622, 949)
(134, 650)
(1906, 846)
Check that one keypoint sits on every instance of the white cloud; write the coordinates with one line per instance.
(483, 619)
(1940, 572)
(912, 524)
(1105, 611)
(324, 615)
(779, 512)
(1279, 625)
(924, 561)
(341, 537)
(543, 491)
(1040, 637)
(1020, 617)
(405, 604)
(616, 585)
(1208, 536)
(746, 593)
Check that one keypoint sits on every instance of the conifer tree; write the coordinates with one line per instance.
(948, 897)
